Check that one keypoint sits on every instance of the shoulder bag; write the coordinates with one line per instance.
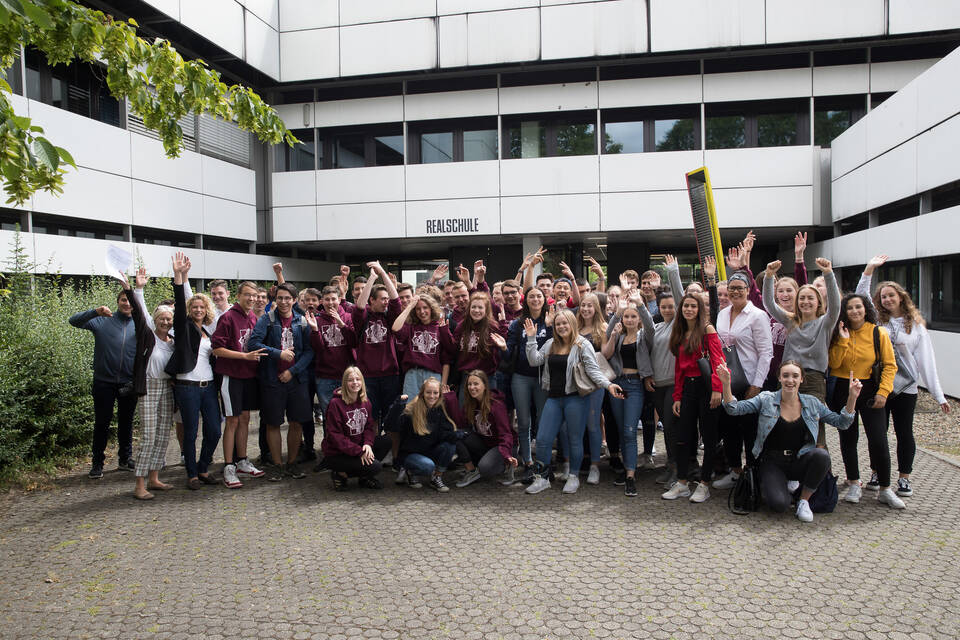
(583, 381)
(745, 495)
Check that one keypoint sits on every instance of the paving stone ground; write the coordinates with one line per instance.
(296, 560)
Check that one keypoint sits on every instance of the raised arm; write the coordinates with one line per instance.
(799, 267)
(598, 270)
(361, 302)
(769, 302)
(407, 310)
(387, 281)
(138, 299)
(673, 275)
(278, 271)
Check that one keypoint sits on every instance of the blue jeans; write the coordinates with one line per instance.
(438, 460)
(195, 402)
(382, 391)
(628, 413)
(325, 389)
(572, 410)
(413, 379)
(526, 390)
(594, 425)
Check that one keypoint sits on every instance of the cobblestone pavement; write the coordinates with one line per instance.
(296, 560)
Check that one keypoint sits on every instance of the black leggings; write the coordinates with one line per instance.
(901, 407)
(488, 460)
(352, 466)
(739, 434)
(775, 469)
(611, 431)
(874, 425)
(648, 422)
(694, 405)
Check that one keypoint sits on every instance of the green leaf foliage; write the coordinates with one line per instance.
(160, 85)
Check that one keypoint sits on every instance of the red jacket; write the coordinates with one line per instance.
(687, 366)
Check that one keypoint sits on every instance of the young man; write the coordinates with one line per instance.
(460, 295)
(310, 298)
(115, 345)
(512, 307)
(358, 283)
(333, 341)
(405, 294)
(260, 306)
(220, 295)
(648, 289)
(284, 337)
(239, 392)
(448, 303)
(545, 284)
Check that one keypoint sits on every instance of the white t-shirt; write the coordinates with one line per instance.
(158, 360)
(203, 372)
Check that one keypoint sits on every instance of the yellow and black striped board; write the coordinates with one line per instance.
(705, 228)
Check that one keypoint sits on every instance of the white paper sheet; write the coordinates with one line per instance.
(118, 261)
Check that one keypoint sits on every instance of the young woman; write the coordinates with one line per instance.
(560, 355)
(593, 328)
(745, 326)
(787, 434)
(152, 384)
(428, 436)
(351, 446)
(192, 364)
(478, 338)
(487, 448)
(785, 294)
(852, 355)
(915, 364)
(809, 327)
(628, 350)
(696, 395)
(525, 381)
(428, 345)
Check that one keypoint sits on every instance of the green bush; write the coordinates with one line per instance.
(46, 410)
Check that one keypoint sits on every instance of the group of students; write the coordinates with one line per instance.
(532, 381)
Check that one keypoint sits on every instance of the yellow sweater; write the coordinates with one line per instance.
(856, 354)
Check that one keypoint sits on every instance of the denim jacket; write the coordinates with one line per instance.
(266, 335)
(767, 404)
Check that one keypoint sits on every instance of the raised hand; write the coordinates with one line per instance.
(181, 263)
(799, 245)
(278, 268)
(594, 266)
(734, 258)
(463, 274)
(529, 328)
(723, 373)
(498, 340)
(875, 262)
(565, 270)
(617, 329)
(538, 256)
(440, 273)
(709, 266)
(773, 267)
(825, 265)
(855, 387)
(670, 259)
(311, 320)
(843, 332)
(374, 265)
(344, 272)
(479, 270)
(104, 312)
(748, 241)
(142, 278)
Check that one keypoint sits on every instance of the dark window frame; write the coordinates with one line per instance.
(284, 153)
(327, 138)
(457, 127)
(552, 122)
(751, 111)
(649, 117)
(87, 77)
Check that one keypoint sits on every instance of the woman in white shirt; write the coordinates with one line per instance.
(744, 326)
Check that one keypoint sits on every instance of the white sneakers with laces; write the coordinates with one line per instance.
(230, 478)
(854, 493)
(572, 484)
(246, 467)
(539, 484)
(701, 493)
(594, 476)
(678, 490)
(889, 498)
(804, 514)
(727, 481)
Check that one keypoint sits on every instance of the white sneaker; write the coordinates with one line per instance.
(792, 485)
(727, 482)
(246, 467)
(401, 477)
(388, 459)
(594, 476)
(803, 511)
(854, 493)
(701, 493)
(509, 477)
(564, 471)
(539, 484)
(230, 477)
(678, 490)
(572, 484)
(468, 478)
(889, 498)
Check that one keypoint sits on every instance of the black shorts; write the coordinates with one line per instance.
(238, 395)
(290, 398)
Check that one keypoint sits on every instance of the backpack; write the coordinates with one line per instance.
(824, 499)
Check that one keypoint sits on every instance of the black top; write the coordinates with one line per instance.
(440, 429)
(187, 345)
(628, 355)
(558, 375)
(787, 435)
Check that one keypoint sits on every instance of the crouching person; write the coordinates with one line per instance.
(487, 448)
(350, 445)
(284, 337)
(786, 443)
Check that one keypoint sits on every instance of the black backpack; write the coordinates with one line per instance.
(824, 499)
(744, 498)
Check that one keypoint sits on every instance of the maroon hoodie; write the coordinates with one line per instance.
(376, 353)
(332, 347)
(233, 330)
(426, 346)
(495, 430)
(469, 353)
(347, 427)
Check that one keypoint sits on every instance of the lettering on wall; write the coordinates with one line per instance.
(453, 225)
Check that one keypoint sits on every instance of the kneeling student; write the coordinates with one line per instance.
(284, 337)
(350, 445)
(786, 444)
(487, 448)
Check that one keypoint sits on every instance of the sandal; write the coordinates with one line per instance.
(143, 496)
(194, 484)
(160, 487)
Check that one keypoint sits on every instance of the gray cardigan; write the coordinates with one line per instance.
(536, 357)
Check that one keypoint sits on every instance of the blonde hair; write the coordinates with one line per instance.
(211, 315)
(574, 335)
(435, 313)
(345, 394)
(598, 328)
(797, 320)
(911, 315)
(162, 309)
(417, 409)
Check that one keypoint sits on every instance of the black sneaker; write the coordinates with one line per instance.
(620, 478)
(127, 465)
(96, 472)
(293, 470)
(630, 487)
(527, 477)
(274, 472)
(339, 482)
(369, 482)
(874, 484)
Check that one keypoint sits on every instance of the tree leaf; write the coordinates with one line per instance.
(13, 5)
(21, 121)
(46, 153)
(66, 157)
(37, 14)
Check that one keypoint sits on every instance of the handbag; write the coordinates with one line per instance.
(605, 368)
(738, 378)
(584, 383)
(824, 499)
(745, 495)
(876, 370)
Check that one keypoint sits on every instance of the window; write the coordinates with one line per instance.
(876, 99)
(762, 123)
(835, 114)
(9, 220)
(301, 156)
(79, 88)
(13, 76)
(907, 273)
(481, 144)
(945, 310)
(231, 245)
(853, 224)
(164, 238)
(377, 145)
(945, 196)
(542, 135)
(452, 140)
(76, 228)
(675, 128)
(900, 210)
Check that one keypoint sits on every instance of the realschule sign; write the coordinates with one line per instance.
(453, 225)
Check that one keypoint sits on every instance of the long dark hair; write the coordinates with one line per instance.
(682, 335)
(470, 405)
(869, 313)
(525, 310)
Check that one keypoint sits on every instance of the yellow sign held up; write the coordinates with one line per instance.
(705, 228)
